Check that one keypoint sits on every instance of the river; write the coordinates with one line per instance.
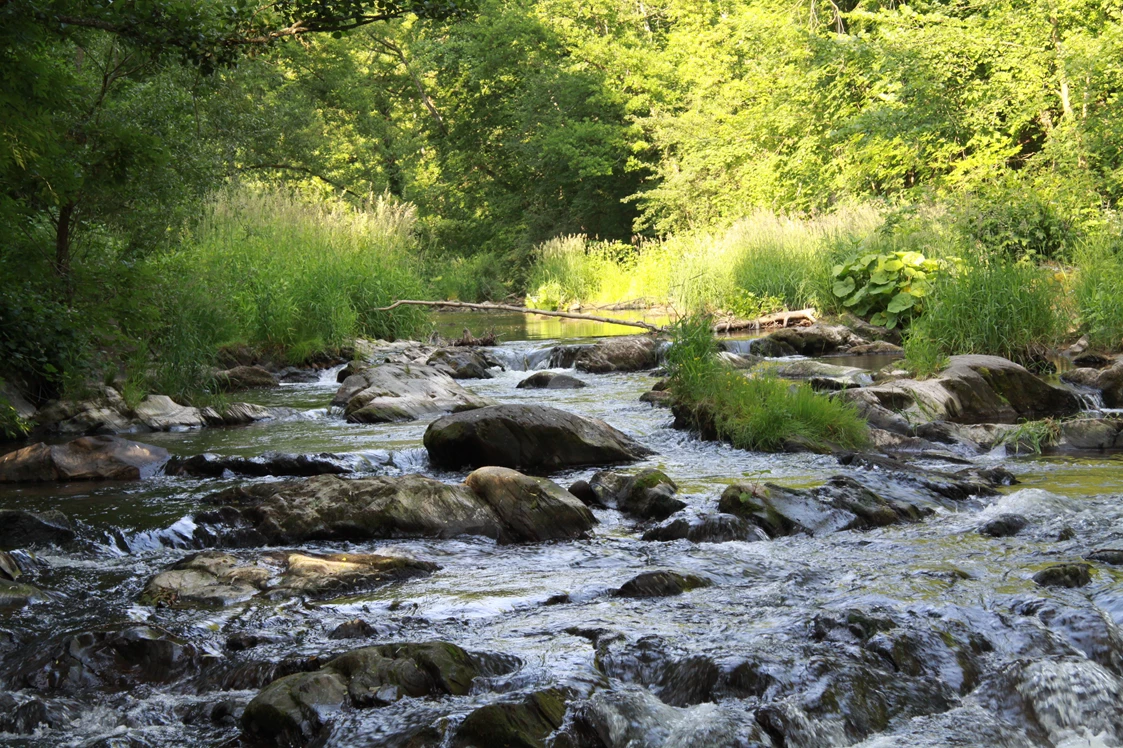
(1039, 680)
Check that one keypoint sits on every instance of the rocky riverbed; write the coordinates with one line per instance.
(318, 580)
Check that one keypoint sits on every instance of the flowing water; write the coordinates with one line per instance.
(1045, 666)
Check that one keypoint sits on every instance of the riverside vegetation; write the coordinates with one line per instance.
(188, 180)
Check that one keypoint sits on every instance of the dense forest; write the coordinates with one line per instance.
(177, 176)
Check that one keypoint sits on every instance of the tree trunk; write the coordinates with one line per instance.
(62, 240)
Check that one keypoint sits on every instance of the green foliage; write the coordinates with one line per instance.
(40, 339)
(756, 412)
(478, 277)
(887, 287)
(1098, 290)
(924, 357)
(992, 305)
(1033, 436)
(1012, 219)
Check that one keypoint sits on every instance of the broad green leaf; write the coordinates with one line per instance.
(902, 301)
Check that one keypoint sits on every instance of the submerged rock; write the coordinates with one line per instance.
(401, 392)
(218, 579)
(958, 486)
(21, 529)
(528, 437)
(972, 389)
(85, 458)
(1064, 575)
(525, 723)
(497, 503)
(533, 509)
(661, 584)
(296, 709)
(707, 528)
(549, 380)
(271, 463)
(112, 659)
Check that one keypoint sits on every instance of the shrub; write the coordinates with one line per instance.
(756, 412)
(890, 286)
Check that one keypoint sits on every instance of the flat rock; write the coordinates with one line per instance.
(216, 579)
(550, 380)
(971, 390)
(326, 507)
(527, 437)
(84, 458)
(815, 340)
(661, 584)
(840, 504)
(821, 375)
(22, 529)
(533, 509)
(401, 392)
(271, 463)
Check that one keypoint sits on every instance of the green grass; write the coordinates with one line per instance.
(282, 273)
(992, 305)
(762, 262)
(1098, 290)
(759, 412)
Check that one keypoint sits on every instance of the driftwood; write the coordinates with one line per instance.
(777, 319)
(781, 319)
(519, 309)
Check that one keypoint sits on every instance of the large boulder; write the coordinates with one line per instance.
(533, 509)
(625, 353)
(971, 390)
(20, 528)
(528, 437)
(400, 392)
(295, 709)
(497, 503)
(85, 458)
(244, 378)
(329, 508)
(217, 579)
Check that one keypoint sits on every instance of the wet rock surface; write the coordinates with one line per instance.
(910, 629)
(400, 392)
(270, 463)
(549, 380)
(244, 378)
(527, 437)
(85, 458)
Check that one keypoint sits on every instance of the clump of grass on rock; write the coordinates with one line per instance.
(755, 412)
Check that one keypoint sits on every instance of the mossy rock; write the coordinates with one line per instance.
(520, 724)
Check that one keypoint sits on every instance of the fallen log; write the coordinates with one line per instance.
(521, 310)
(781, 319)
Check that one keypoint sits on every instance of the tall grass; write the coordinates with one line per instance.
(278, 271)
(773, 259)
(1098, 290)
(992, 305)
(757, 412)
